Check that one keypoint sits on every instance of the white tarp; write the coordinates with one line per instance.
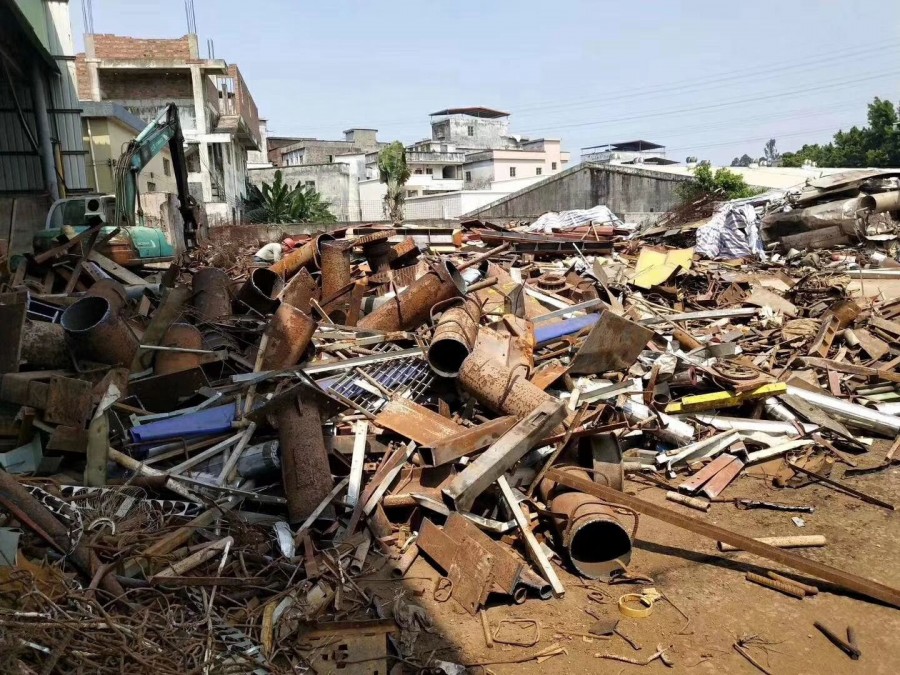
(568, 220)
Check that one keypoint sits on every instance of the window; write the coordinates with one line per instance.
(151, 187)
(330, 158)
(470, 130)
(553, 166)
(512, 172)
(538, 171)
(167, 167)
(443, 147)
(429, 171)
(468, 176)
(418, 172)
(310, 184)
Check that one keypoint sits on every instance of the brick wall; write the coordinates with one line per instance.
(108, 46)
(82, 80)
(123, 85)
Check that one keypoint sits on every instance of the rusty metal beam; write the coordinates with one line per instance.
(846, 580)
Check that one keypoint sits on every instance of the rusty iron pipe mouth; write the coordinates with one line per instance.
(456, 277)
(87, 313)
(520, 594)
(594, 544)
(446, 356)
(266, 282)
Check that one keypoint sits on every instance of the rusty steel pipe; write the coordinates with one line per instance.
(305, 256)
(596, 542)
(304, 459)
(212, 294)
(112, 290)
(478, 259)
(336, 269)
(260, 292)
(182, 335)
(412, 307)
(95, 332)
(454, 338)
(498, 388)
(289, 332)
(44, 346)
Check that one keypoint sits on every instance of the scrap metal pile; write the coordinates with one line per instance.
(204, 470)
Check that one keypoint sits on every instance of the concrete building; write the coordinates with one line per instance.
(473, 128)
(626, 152)
(259, 159)
(108, 128)
(542, 157)
(41, 153)
(218, 115)
(292, 151)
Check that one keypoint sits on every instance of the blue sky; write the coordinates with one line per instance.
(711, 79)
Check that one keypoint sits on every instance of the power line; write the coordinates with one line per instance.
(693, 109)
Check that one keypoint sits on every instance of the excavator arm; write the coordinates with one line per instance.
(164, 131)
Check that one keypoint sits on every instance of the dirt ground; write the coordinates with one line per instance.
(710, 588)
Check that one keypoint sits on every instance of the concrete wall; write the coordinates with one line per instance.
(641, 193)
(330, 180)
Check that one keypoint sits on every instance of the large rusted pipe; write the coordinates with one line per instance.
(184, 336)
(454, 338)
(112, 290)
(412, 307)
(289, 332)
(260, 291)
(44, 346)
(304, 459)
(595, 540)
(212, 294)
(305, 256)
(336, 269)
(95, 333)
(498, 388)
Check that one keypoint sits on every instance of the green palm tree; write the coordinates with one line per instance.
(394, 173)
(278, 203)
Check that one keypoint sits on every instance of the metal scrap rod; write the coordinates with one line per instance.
(851, 582)
(833, 483)
(484, 256)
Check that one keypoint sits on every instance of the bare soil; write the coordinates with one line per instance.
(710, 588)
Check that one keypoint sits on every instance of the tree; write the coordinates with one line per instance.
(721, 185)
(278, 203)
(394, 173)
(770, 152)
(745, 160)
(876, 145)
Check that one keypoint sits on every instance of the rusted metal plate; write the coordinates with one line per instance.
(12, 319)
(68, 439)
(694, 483)
(348, 647)
(872, 345)
(417, 423)
(437, 545)
(614, 343)
(68, 402)
(546, 375)
(467, 441)
(507, 569)
(470, 575)
(720, 481)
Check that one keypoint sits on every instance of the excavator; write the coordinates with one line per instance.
(125, 239)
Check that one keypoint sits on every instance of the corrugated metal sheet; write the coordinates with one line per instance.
(20, 168)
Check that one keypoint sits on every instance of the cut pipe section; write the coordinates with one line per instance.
(94, 332)
(289, 332)
(304, 460)
(260, 292)
(595, 540)
(336, 269)
(412, 307)
(307, 255)
(497, 387)
(454, 338)
(212, 294)
(183, 336)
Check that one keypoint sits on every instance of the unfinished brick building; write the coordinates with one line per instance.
(218, 114)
